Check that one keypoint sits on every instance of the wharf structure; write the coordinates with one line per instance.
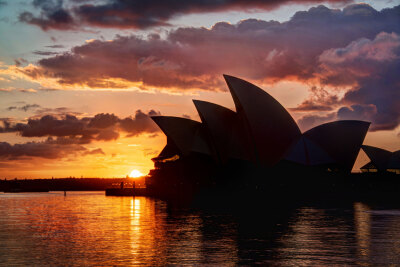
(259, 144)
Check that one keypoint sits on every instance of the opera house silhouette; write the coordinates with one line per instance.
(258, 144)
(381, 160)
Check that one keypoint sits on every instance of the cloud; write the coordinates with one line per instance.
(372, 65)
(359, 59)
(309, 121)
(56, 112)
(52, 15)
(94, 152)
(350, 57)
(28, 107)
(357, 112)
(140, 123)
(194, 58)
(136, 14)
(30, 90)
(5, 125)
(13, 89)
(45, 149)
(55, 46)
(107, 135)
(44, 53)
(103, 120)
(52, 126)
(50, 149)
(67, 134)
(20, 61)
(71, 129)
(320, 100)
(150, 152)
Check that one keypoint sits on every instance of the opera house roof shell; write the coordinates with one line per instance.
(261, 131)
(381, 159)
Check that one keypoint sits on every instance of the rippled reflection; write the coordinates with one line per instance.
(87, 228)
(362, 221)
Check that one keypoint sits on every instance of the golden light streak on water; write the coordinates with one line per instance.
(88, 228)
(362, 222)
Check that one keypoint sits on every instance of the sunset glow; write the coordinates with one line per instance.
(135, 174)
(77, 91)
(198, 132)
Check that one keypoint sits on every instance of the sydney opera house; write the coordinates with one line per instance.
(259, 141)
(381, 160)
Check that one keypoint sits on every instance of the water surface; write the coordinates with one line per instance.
(88, 228)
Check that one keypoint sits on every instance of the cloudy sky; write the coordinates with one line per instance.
(79, 79)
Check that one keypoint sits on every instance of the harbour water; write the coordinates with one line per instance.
(88, 228)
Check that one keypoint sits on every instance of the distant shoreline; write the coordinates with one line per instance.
(59, 184)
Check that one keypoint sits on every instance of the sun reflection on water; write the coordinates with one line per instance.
(87, 228)
(362, 222)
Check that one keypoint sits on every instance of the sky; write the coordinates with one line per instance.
(79, 79)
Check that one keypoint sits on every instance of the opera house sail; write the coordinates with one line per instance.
(260, 136)
(336, 143)
(381, 160)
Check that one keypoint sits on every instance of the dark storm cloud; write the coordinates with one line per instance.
(136, 13)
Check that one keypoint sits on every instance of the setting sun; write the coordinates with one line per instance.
(135, 174)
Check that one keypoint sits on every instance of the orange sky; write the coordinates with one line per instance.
(337, 61)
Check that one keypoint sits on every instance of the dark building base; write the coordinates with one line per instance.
(263, 186)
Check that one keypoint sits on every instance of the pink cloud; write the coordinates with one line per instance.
(356, 48)
(371, 66)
